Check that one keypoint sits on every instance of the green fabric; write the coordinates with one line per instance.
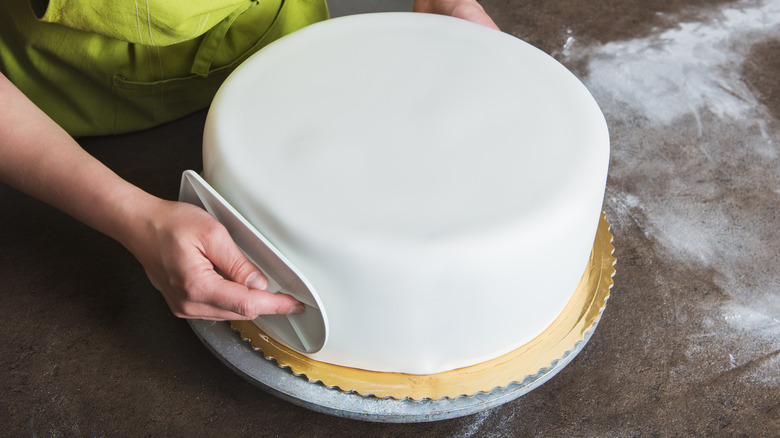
(105, 67)
(151, 22)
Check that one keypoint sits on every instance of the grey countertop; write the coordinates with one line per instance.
(689, 343)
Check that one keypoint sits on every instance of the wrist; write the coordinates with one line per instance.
(131, 220)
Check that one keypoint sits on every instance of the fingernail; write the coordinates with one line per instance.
(256, 281)
(298, 308)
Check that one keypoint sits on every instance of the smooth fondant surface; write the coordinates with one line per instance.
(437, 182)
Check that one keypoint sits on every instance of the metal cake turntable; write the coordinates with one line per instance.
(241, 358)
(370, 396)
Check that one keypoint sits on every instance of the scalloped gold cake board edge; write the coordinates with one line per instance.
(579, 316)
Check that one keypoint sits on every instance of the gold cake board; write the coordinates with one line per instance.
(561, 339)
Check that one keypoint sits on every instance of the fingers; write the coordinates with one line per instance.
(242, 290)
(209, 295)
(468, 10)
(215, 298)
(475, 13)
(186, 258)
(228, 259)
(235, 298)
(206, 312)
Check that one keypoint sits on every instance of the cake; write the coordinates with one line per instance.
(436, 184)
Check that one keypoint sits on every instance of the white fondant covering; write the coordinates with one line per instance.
(438, 183)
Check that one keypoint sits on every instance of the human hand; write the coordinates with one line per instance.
(466, 9)
(180, 246)
(184, 249)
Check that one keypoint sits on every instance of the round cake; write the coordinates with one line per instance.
(436, 183)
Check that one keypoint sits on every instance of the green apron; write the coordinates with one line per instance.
(112, 66)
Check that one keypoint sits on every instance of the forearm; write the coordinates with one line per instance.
(41, 159)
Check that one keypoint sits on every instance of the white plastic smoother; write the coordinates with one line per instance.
(306, 332)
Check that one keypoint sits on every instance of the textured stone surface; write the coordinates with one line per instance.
(689, 343)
